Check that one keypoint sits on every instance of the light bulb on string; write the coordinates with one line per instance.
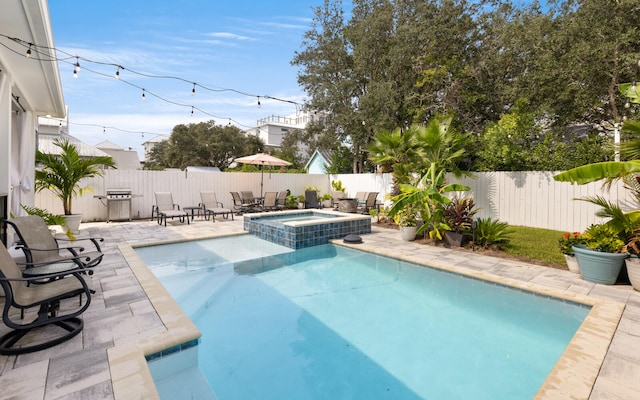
(192, 111)
(193, 91)
(259, 105)
(75, 72)
(627, 104)
(28, 55)
(142, 134)
(143, 95)
(633, 86)
(117, 75)
(77, 65)
(104, 130)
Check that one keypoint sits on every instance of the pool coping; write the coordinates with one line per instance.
(573, 375)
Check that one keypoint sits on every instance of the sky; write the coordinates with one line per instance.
(245, 46)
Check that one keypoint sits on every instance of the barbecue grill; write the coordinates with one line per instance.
(118, 204)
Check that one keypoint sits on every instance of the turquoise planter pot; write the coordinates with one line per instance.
(599, 267)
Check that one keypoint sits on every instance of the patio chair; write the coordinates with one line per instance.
(19, 295)
(240, 207)
(42, 251)
(249, 198)
(311, 199)
(212, 207)
(270, 201)
(369, 203)
(166, 208)
(335, 198)
(281, 202)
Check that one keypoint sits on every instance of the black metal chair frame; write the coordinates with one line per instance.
(34, 255)
(22, 296)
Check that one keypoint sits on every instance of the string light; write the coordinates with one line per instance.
(50, 55)
(143, 96)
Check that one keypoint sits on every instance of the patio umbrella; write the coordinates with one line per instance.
(262, 160)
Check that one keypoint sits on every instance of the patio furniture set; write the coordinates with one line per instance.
(38, 284)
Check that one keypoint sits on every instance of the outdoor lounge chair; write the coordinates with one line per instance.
(369, 203)
(249, 198)
(212, 207)
(166, 208)
(270, 201)
(46, 297)
(281, 202)
(239, 206)
(42, 251)
(311, 199)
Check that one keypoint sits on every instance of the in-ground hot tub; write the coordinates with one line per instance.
(305, 228)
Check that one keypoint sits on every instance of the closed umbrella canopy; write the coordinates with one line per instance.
(262, 160)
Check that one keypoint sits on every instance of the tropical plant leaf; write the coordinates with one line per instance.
(599, 171)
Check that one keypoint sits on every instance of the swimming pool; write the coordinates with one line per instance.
(331, 322)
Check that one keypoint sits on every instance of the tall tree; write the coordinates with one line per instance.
(204, 144)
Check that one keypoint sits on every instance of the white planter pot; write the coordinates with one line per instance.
(72, 223)
(572, 263)
(633, 270)
(408, 233)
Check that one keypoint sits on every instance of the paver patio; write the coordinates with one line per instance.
(121, 314)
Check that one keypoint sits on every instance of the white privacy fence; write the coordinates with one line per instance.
(519, 198)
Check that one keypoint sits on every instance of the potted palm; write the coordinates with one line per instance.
(62, 175)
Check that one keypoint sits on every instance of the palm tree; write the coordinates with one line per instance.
(62, 173)
(394, 152)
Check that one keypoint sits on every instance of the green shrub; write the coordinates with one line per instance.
(492, 232)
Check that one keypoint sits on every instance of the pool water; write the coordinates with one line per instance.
(329, 322)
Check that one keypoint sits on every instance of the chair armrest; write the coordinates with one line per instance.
(78, 261)
(72, 249)
(94, 240)
(75, 272)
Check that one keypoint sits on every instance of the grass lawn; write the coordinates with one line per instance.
(535, 244)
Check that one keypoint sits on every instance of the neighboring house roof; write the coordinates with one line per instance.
(124, 159)
(157, 139)
(319, 161)
(108, 145)
(202, 169)
(45, 145)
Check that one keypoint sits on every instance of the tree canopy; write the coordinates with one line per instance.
(203, 144)
(521, 79)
